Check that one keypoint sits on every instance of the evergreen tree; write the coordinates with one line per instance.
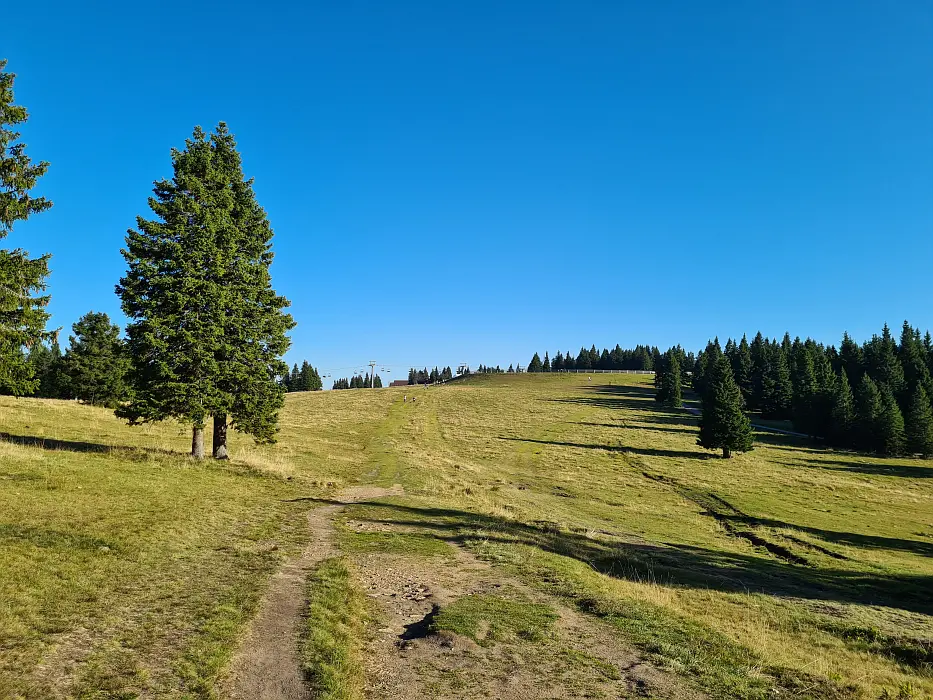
(377, 382)
(918, 424)
(294, 380)
(95, 365)
(760, 360)
(46, 362)
(723, 423)
(804, 387)
(583, 360)
(511, 369)
(569, 362)
(776, 388)
(881, 362)
(867, 412)
(207, 330)
(843, 412)
(911, 354)
(535, 364)
(742, 369)
(850, 359)
(546, 367)
(890, 424)
(667, 378)
(22, 313)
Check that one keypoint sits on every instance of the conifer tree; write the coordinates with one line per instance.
(918, 423)
(742, 368)
(546, 367)
(723, 423)
(95, 365)
(843, 412)
(46, 361)
(804, 386)
(511, 369)
(776, 389)
(569, 362)
(669, 390)
(867, 412)
(890, 424)
(22, 314)
(207, 330)
(535, 364)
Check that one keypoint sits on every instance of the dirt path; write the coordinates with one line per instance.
(267, 665)
(405, 659)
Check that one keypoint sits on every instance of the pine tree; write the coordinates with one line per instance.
(546, 367)
(881, 362)
(843, 412)
(46, 362)
(22, 313)
(776, 389)
(911, 355)
(918, 424)
(535, 364)
(805, 390)
(569, 362)
(867, 411)
(742, 368)
(207, 330)
(723, 423)
(669, 389)
(890, 424)
(96, 364)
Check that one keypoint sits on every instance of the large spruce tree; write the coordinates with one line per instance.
(22, 309)
(207, 330)
(918, 423)
(842, 412)
(96, 364)
(890, 424)
(723, 423)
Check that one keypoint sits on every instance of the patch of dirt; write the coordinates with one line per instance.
(405, 658)
(267, 665)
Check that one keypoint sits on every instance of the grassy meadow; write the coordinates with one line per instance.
(129, 570)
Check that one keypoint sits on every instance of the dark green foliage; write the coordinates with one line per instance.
(207, 330)
(775, 389)
(546, 367)
(22, 313)
(918, 423)
(741, 360)
(535, 364)
(890, 424)
(867, 412)
(842, 431)
(95, 365)
(667, 380)
(46, 361)
(805, 390)
(723, 423)
(881, 362)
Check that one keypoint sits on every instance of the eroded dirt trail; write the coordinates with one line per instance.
(267, 664)
(406, 659)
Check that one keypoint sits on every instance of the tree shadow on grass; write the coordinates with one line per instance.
(55, 445)
(647, 451)
(910, 471)
(675, 564)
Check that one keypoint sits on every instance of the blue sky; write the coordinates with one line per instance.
(476, 181)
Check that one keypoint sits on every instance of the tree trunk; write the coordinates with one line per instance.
(220, 436)
(197, 442)
(726, 453)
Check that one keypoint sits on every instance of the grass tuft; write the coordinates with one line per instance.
(334, 627)
(487, 618)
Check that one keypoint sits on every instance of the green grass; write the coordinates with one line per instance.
(330, 653)
(488, 618)
(792, 570)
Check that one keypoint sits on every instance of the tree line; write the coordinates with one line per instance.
(423, 376)
(359, 382)
(641, 357)
(207, 331)
(306, 378)
(874, 397)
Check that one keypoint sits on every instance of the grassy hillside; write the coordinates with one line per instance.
(789, 571)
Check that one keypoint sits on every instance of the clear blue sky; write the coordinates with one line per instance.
(476, 181)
